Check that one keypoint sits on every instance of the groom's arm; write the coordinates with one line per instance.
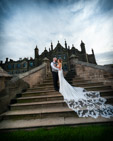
(52, 65)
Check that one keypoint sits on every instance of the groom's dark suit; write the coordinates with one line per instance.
(55, 75)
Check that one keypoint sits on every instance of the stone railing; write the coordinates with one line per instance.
(34, 76)
(21, 82)
(95, 73)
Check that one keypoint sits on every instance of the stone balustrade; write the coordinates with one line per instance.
(20, 83)
(95, 73)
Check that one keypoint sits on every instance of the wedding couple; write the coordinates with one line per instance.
(84, 103)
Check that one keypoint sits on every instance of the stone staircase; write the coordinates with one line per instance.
(42, 106)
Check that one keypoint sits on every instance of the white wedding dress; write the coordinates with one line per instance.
(84, 103)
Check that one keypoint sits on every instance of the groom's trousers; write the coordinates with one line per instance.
(55, 80)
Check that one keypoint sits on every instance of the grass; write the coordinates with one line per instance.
(81, 133)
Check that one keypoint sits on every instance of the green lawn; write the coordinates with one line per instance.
(81, 133)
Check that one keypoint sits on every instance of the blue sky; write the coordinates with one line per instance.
(27, 23)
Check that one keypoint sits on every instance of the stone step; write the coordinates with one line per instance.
(39, 98)
(51, 82)
(102, 93)
(41, 88)
(39, 93)
(98, 88)
(77, 85)
(89, 88)
(53, 92)
(51, 122)
(88, 84)
(45, 104)
(53, 97)
(38, 105)
(38, 114)
(106, 92)
(67, 77)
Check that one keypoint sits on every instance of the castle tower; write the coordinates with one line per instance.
(36, 52)
(83, 50)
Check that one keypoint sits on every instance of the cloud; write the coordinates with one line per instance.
(26, 23)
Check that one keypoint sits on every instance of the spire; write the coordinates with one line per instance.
(65, 44)
(92, 51)
(51, 46)
(36, 47)
(36, 52)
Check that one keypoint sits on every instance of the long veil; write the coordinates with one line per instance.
(84, 103)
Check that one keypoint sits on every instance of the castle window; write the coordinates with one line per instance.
(18, 65)
(64, 56)
(9, 66)
(65, 67)
(59, 49)
(24, 65)
(31, 64)
(59, 57)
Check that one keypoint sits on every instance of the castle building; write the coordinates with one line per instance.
(23, 65)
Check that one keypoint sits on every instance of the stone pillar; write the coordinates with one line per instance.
(47, 62)
(72, 61)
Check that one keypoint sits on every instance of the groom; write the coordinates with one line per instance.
(55, 73)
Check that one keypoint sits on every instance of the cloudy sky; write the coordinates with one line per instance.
(27, 23)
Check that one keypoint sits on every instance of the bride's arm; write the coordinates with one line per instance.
(59, 66)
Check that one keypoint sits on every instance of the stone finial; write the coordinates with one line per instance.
(73, 56)
(45, 59)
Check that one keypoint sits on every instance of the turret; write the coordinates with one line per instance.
(6, 60)
(36, 52)
(69, 47)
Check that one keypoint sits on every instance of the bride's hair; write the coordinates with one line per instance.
(60, 60)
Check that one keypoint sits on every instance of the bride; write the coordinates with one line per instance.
(84, 103)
